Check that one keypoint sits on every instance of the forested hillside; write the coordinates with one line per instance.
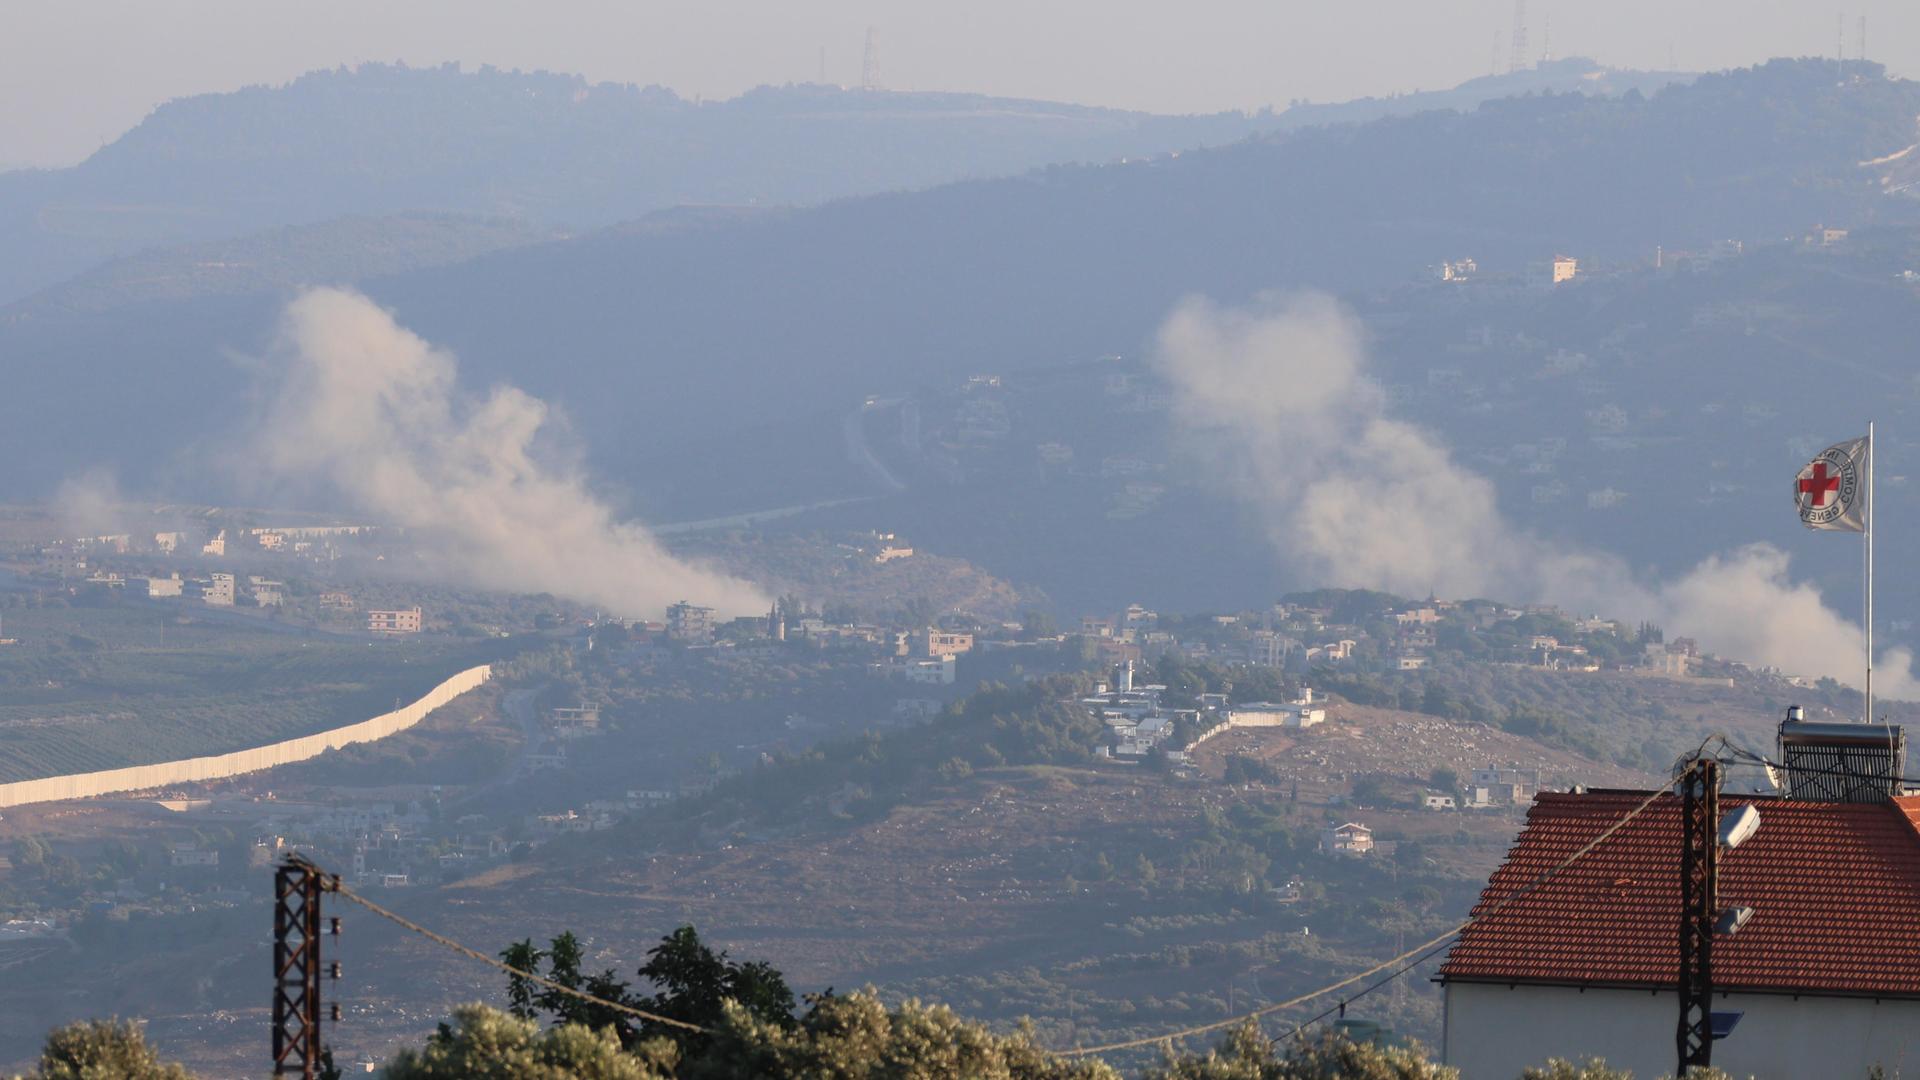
(550, 149)
(728, 328)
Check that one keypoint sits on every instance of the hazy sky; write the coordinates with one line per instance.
(77, 73)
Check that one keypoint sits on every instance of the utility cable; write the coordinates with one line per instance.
(1301, 1028)
(1407, 960)
(1432, 944)
(475, 954)
(1734, 749)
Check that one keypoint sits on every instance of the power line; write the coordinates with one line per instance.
(1300, 1028)
(475, 954)
(1401, 964)
(1264, 1010)
(1427, 947)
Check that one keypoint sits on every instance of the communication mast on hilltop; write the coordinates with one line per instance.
(1517, 55)
(870, 62)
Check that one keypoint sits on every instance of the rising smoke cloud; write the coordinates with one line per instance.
(90, 504)
(1277, 400)
(373, 410)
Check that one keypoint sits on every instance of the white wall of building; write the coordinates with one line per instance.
(1493, 1032)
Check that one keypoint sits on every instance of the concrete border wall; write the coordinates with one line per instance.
(219, 766)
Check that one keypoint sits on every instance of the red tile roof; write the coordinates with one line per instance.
(1835, 889)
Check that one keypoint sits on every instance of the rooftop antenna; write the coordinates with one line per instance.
(1860, 46)
(870, 62)
(1546, 40)
(1517, 57)
(1840, 42)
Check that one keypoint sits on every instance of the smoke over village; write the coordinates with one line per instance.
(667, 542)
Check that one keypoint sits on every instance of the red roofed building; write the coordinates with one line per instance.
(1825, 974)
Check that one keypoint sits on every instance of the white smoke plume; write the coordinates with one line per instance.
(90, 505)
(1278, 399)
(370, 408)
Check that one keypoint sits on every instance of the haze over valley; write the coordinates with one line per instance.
(1115, 574)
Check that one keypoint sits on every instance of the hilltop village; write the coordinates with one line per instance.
(1191, 697)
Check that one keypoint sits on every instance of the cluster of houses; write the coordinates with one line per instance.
(927, 655)
(68, 558)
(1561, 269)
(82, 562)
(1299, 638)
(1142, 723)
(1546, 273)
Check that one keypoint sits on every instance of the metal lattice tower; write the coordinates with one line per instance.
(298, 1049)
(870, 62)
(1699, 904)
(1517, 56)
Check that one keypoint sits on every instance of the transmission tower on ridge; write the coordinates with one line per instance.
(1517, 57)
(870, 62)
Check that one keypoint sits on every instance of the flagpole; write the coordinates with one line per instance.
(1872, 512)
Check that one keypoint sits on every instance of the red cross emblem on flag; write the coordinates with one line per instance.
(1817, 483)
(1828, 492)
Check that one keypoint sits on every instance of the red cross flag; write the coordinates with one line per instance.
(1830, 491)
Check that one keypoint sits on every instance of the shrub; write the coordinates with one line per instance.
(103, 1050)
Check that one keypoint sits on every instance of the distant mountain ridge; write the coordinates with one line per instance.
(708, 360)
(559, 152)
(342, 250)
(1573, 74)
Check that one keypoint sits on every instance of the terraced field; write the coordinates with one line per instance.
(99, 688)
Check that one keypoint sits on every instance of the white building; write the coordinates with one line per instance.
(157, 588)
(928, 672)
(394, 622)
(218, 590)
(1352, 838)
(1302, 713)
(1496, 786)
(266, 592)
(1823, 980)
(190, 855)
